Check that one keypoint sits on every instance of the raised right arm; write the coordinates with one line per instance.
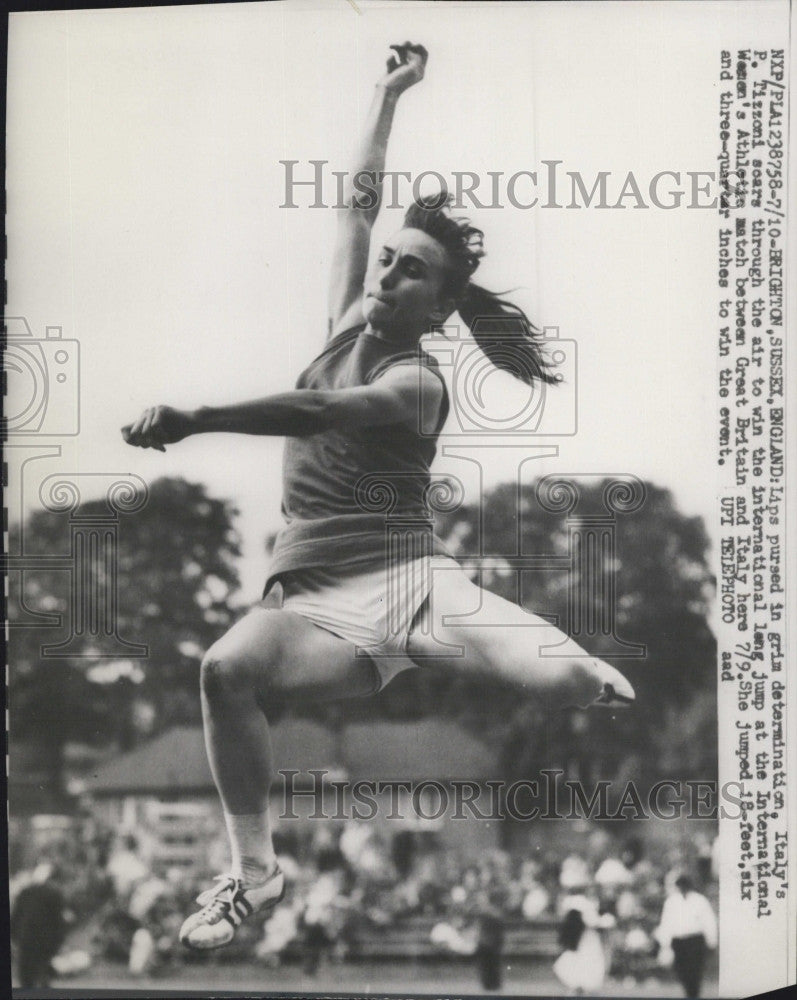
(363, 189)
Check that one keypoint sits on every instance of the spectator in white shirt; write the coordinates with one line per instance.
(126, 868)
(688, 928)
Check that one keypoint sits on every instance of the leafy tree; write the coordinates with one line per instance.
(176, 573)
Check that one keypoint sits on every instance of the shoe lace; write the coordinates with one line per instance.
(217, 900)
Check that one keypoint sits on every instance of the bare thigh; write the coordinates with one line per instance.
(289, 657)
(467, 629)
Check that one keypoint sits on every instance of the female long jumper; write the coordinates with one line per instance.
(370, 405)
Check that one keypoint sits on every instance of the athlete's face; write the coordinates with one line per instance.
(404, 290)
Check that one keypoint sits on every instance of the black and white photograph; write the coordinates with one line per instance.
(397, 545)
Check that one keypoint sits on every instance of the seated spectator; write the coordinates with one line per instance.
(280, 930)
(535, 902)
(126, 867)
(574, 873)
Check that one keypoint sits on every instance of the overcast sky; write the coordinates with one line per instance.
(144, 191)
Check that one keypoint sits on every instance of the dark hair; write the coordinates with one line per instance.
(634, 847)
(570, 930)
(501, 329)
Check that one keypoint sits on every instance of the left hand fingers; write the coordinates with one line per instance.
(137, 429)
(147, 441)
(152, 431)
(145, 433)
(156, 431)
(151, 419)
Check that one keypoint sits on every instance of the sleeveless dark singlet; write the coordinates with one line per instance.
(339, 486)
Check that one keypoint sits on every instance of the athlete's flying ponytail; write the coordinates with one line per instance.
(501, 329)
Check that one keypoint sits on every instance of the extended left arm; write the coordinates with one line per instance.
(399, 395)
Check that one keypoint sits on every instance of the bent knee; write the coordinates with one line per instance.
(221, 674)
(241, 663)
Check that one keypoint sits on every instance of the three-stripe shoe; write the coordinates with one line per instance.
(225, 906)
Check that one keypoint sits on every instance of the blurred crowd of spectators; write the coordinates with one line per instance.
(343, 887)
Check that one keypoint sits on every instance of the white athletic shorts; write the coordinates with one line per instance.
(374, 609)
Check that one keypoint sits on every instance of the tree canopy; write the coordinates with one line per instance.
(176, 572)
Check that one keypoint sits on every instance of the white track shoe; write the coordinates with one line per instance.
(225, 906)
